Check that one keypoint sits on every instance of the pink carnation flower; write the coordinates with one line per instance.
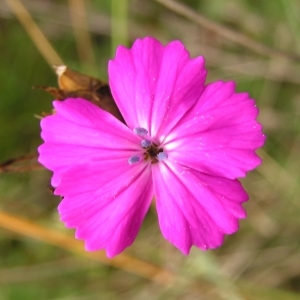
(185, 144)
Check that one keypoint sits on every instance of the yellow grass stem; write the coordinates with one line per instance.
(63, 241)
(34, 32)
(81, 31)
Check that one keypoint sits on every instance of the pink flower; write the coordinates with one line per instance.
(185, 144)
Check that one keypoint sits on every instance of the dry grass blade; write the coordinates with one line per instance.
(61, 240)
(227, 33)
(36, 35)
(122, 261)
(128, 263)
(81, 31)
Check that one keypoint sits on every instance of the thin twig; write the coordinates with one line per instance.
(225, 32)
(19, 164)
(36, 35)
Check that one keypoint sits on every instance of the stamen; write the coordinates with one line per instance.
(140, 131)
(145, 143)
(161, 156)
(133, 159)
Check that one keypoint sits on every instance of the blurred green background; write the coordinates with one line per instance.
(262, 260)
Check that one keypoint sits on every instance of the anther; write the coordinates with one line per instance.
(145, 143)
(161, 156)
(133, 159)
(140, 131)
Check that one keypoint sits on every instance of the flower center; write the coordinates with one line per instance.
(153, 152)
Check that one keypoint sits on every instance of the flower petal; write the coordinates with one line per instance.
(154, 86)
(198, 209)
(80, 132)
(106, 202)
(219, 135)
